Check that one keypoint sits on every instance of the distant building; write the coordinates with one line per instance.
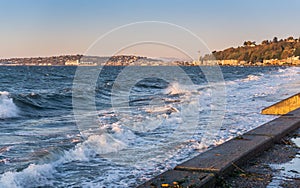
(72, 63)
(231, 62)
(87, 63)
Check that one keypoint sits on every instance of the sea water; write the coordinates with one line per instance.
(41, 143)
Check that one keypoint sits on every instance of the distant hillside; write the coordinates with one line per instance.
(251, 52)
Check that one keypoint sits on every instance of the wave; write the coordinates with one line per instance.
(175, 89)
(33, 176)
(289, 72)
(113, 139)
(116, 139)
(31, 102)
(8, 109)
(251, 78)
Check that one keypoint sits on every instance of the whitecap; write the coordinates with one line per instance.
(8, 109)
(251, 78)
(33, 176)
(175, 89)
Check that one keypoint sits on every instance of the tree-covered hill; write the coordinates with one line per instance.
(251, 52)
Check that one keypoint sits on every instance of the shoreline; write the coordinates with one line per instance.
(132, 60)
(271, 168)
(206, 169)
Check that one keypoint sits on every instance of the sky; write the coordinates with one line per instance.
(55, 27)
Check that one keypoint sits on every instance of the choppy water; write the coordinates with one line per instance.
(41, 144)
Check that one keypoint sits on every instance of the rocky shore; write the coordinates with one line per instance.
(276, 167)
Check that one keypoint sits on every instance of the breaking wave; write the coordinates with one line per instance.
(8, 109)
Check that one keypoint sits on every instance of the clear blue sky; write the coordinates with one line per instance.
(54, 27)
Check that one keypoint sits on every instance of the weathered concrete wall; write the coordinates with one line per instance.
(283, 107)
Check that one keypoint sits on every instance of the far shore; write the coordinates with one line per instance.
(131, 60)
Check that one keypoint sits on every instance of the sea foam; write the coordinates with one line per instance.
(7, 107)
(33, 176)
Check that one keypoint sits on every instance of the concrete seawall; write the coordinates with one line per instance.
(283, 106)
(204, 169)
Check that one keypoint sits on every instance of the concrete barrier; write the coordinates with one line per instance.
(177, 178)
(283, 107)
(204, 169)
